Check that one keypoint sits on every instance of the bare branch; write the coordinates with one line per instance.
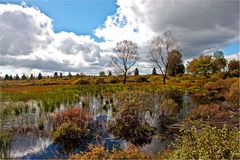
(159, 50)
(125, 57)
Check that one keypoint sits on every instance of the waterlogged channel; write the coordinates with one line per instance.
(30, 140)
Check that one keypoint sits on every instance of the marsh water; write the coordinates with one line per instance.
(30, 142)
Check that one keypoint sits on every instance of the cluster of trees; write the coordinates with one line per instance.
(205, 64)
(163, 52)
(23, 77)
(135, 73)
(40, 76)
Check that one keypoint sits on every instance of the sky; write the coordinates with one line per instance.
(78, 36)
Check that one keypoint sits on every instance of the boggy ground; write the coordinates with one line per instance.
(216, 99)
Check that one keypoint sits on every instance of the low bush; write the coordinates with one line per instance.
(100, 81)
(141, 79)
(223, 84)
(72, 129)
(114, 81)
(234, 93)
(6, 138)
(221, 75)
(171, 93)
(205, 111)
(207, 143)
(214, 79)
(69, 136)
(83, 81)
(169, 107)
(130, 126)
(72, 115)
(131, 122)
(98, 152)
(234, 73)
(216, 114)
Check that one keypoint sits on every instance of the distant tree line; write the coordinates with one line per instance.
(164, 53)
(39, 76)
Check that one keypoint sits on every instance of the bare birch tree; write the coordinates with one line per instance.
(125, 57)
(159, 50)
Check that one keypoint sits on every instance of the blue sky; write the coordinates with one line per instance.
(79, 16)
(231, 48)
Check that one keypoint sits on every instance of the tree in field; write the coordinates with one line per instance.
(24, 77)
(69, 74)
(200, 65)
(192, 66)
(181, 69)
(10, 77)
(219, 62)
(136, 72)
(40, 76)
(124, 58)
(6, 77)
(31, 76)
(109, 73)
(102, 74)
(154, 72)
(159, 51)
(233, 65)
(175, 65)
(60, 75)
(55, 75)
(17, 77)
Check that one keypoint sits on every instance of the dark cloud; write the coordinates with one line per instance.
(197, 25)
(48, 65)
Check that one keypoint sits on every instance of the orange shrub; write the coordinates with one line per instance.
(204, 111)
(74, 116)
(234, 93)
(98, 152)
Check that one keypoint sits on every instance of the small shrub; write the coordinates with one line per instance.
(169, 107)
(176, 80)
(69, 136)
(205, 111)
(208, 143)
(234, 73)
(171, 93)
(98, 152)
(114, 81)
(141, 79)
(222, 84)
(216, 114)
(100, 81)
(5, 144)
(130, 126)
(83, 81)
(221, 75)
(73, 116)
(214, 79)
(234, 93)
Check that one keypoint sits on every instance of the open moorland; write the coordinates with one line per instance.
(82, 117)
